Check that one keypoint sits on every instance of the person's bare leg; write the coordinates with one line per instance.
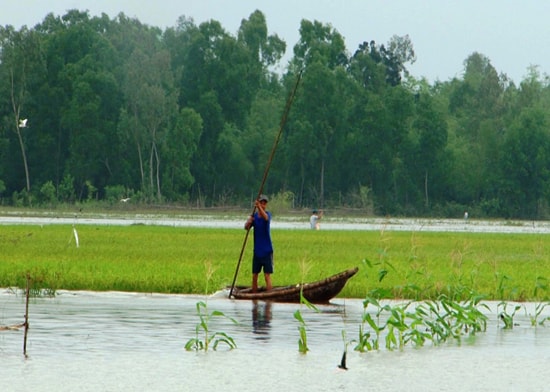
(267, 281)
(254, 283)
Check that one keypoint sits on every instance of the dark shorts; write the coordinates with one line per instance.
(265, 263)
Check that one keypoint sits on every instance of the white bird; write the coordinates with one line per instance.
(125, 200)
(23, 123)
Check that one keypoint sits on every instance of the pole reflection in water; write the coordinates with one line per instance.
(261, 319)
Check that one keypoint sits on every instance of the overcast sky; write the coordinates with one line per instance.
(513, 34)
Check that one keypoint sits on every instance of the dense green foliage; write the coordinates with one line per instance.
(188, 115)
(413, 265)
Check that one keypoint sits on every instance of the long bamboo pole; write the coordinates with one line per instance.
(266, 171)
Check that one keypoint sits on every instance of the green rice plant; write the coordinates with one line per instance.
(160, 259)
(502, 284)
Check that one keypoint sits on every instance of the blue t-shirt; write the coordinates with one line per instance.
(262, 235)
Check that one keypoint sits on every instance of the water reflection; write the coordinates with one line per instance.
(261, 319)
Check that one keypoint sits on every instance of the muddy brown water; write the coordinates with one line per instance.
(88, 341)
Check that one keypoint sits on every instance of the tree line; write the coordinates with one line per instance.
(94, 108)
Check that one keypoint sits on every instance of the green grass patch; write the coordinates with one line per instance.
(415, 265)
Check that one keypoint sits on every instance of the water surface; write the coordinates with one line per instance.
(87, 341)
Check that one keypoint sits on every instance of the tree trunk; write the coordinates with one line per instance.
(159, 194)
(16, 111)
(24, 154)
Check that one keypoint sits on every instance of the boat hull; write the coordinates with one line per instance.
(318, 292)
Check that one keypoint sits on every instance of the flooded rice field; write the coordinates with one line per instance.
(88, 341)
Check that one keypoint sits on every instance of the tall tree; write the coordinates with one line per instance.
(320, 107)
(431, 130)
(319, 43)
(220, 77)
(266, 50)
(376, 65)
(179, 146)
(152, 102)
(478, 119)
(526, 164)
(20, 56)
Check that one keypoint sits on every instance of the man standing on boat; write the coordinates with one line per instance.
(263, 247)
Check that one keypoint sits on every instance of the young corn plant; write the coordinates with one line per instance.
(464, 318)
(436, 322)
(397, 326)
(209, 339)
(450, 316)
(347, 342)
(204, 338)
(302, 327)
(507, 318)
(366, 341)
(417, 334)
(535, 318)
(541, 285)
(302, 341)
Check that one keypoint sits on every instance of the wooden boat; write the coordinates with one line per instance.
(318, 292)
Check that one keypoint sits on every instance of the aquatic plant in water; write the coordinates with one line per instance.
(506, 317)
(203, 327)
(540, 285)
(302, 327)
(209, 338)
(417, 322)
(367, 342)
(302, 342)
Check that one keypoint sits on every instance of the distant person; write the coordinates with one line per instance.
(314, 220)
(263, 247)
(466, 216)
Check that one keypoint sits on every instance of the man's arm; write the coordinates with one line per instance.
(248, 223)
